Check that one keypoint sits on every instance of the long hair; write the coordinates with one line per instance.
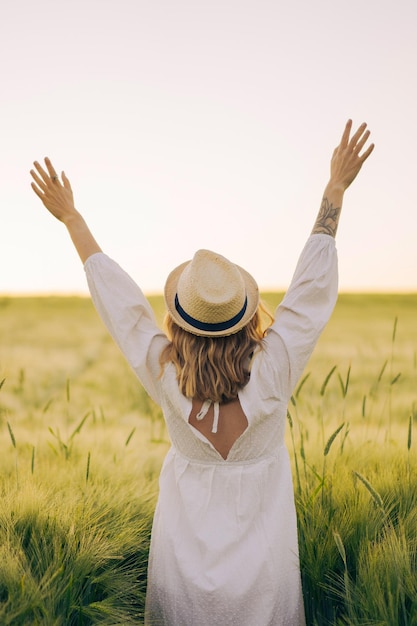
(214, 368)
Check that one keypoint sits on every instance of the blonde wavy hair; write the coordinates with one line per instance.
(214, 368)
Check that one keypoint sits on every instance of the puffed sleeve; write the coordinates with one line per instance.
(305, 309)
(128, 317)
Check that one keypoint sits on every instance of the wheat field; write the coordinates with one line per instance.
(82, 445)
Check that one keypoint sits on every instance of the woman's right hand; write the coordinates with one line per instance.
(345, 166)
(56, 196)
(346, 160)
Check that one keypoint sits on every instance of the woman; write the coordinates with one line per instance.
(224, 540)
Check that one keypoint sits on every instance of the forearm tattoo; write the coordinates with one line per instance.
(327, 219)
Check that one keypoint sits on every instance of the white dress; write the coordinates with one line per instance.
(224, 547)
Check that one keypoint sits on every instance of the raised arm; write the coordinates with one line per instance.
(58, 198)
(345, 166)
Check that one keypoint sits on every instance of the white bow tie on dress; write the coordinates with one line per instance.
(204, 410)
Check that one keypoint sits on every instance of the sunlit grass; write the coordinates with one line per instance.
(82, 445)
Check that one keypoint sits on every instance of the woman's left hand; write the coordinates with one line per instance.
(58, 198)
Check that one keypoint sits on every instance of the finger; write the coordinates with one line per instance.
(51, 170)
(44, 175)
(367, 153)
(345, 137)
(48, 176)
(357, 135)
(37, 191)
(38, 181)
(66, 181)
(362, 142)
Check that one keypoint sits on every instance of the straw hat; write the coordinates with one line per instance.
(211, 296)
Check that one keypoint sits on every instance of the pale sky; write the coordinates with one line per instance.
(190, 124)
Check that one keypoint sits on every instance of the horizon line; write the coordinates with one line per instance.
(160, 293)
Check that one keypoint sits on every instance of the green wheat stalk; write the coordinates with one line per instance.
(374, 493)
(13, 439)
(130, 436)
(394, 330)
(346, 580)
(393, 380)
(326, 452)
(301, 384)
(327, 379)
(87, 471)
(410, 431)
(79, 427)
(47, 405)
(409, 442)
(345, 386)
(297, 471)
(364, 406)
(332, 438)
(322, 392)
(381, 373)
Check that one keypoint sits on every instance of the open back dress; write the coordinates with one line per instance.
(224, 546)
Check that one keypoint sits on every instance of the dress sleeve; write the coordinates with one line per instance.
(306, 307)
(128, 317)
